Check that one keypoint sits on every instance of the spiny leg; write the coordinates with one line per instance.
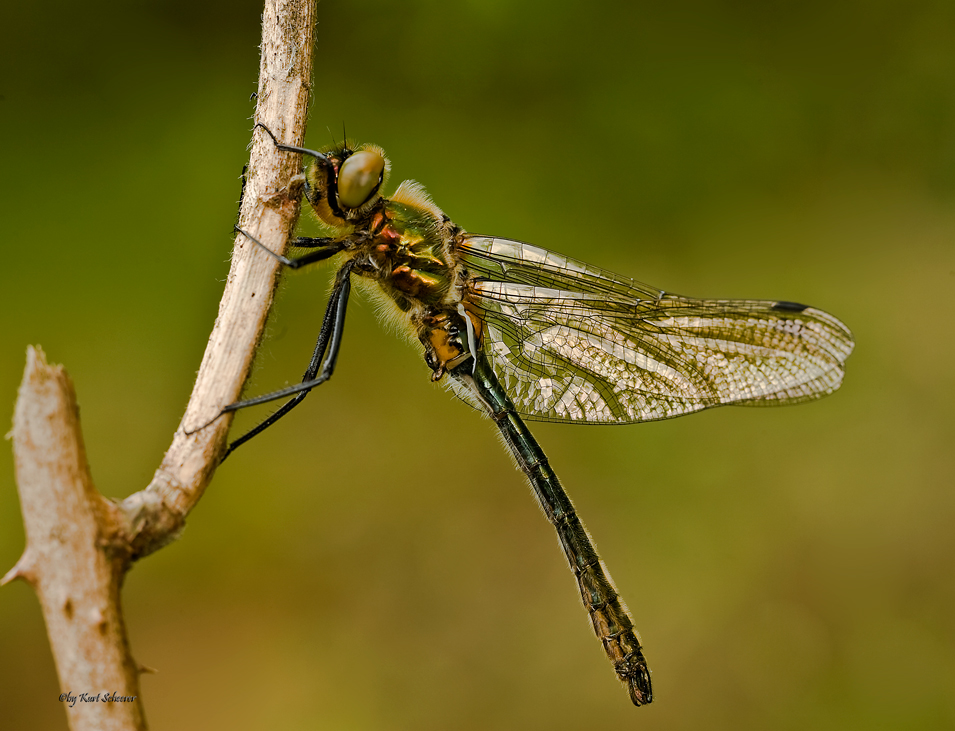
(310, 242)
(324, 249)
(329, 339)
(332, 325)
(332, 328)
(304, 242)
(289, 148)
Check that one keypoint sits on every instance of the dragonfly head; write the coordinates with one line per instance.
(346, 185)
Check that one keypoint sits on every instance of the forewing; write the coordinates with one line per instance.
(572, 342)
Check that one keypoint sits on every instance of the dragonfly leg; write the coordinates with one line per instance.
(322, 160)
(320, 368)
(310, 242)
(289, 148)
(324, 249)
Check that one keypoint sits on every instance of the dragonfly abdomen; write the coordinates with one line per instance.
(611, 622)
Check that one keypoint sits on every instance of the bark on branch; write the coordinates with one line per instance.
(69, 559)
(79, 544)
(270, 209)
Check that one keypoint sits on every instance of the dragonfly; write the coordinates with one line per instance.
(520, 332)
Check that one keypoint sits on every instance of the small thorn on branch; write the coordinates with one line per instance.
(23, 569)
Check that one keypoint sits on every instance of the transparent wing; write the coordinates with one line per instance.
(572, 342)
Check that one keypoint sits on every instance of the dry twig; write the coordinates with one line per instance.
(79, 544)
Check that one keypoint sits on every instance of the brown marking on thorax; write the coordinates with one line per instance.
(406, 262)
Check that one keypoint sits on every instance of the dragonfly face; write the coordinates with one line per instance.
(524, 332)
(345, 186)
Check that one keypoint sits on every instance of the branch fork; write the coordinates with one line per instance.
(80, 544)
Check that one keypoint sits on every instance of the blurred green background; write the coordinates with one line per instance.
(375, 562)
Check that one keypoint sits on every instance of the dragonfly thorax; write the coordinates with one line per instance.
(410, 248)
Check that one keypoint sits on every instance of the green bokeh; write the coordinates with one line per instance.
(375, 562)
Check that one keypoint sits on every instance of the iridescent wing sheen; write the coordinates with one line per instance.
(573, 342)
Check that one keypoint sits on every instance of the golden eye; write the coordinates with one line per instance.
(359, 177)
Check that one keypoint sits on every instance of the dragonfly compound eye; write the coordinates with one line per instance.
(359, 178)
